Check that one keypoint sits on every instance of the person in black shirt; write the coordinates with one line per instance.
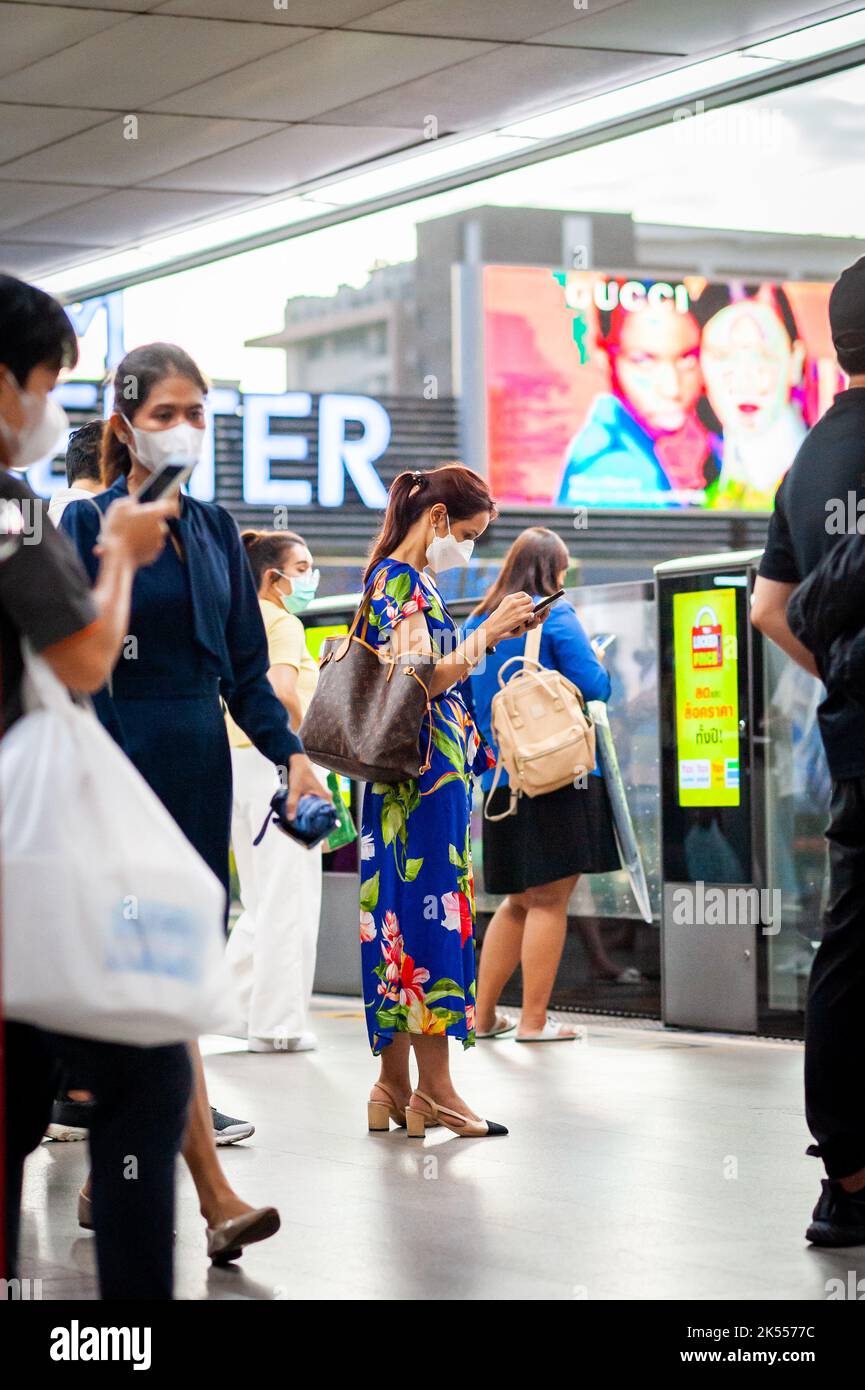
(825, 482)
(141, 1095)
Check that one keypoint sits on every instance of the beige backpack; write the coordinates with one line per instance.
(544, 735)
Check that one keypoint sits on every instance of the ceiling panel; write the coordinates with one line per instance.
(29, 33)
(143, 59)
(29, 258)
(502, 86)
(162, 143)
(25, 128)
(125, 217)
(667, 25)
(294, 86)
(502, 22)
(22, 202)
(323, 13)
(291, 156)
(238, 101)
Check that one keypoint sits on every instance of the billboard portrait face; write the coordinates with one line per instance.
(750, 366)
(608, 391)
(655, 366)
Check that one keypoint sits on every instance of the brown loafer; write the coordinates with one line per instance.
(226, 1241)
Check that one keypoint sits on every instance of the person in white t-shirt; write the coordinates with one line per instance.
(82, 468)
(273, 943)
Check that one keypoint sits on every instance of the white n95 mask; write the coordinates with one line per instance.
(45, 423)
(446, 553)
(154, 448)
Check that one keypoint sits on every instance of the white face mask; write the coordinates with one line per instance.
(45, 422)
(154, 448)
(446, 553)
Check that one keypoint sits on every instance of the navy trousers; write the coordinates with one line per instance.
(136, 1129)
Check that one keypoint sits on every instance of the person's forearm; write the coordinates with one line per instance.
(295, 713)
(284, 682)
(776, 628)
(459, 663)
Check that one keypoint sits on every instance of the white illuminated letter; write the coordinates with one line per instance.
(338, 455)
(631, 295)
(260, 446)
(659, 293)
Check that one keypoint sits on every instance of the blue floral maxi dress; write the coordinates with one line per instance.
(417, 892)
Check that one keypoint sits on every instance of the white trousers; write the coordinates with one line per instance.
(272, 945)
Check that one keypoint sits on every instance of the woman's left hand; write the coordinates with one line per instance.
(302, 781)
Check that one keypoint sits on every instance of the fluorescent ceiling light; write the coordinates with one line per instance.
(439, 160)
(640, 96)
(816, 39)
(168, 249)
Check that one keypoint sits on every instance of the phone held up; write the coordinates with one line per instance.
(166, 482)
(545, 603)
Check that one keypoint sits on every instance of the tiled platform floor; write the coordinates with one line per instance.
(640, 1164)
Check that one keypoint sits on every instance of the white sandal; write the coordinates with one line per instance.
(502, 1025)
(629, 976)
(552, 1032)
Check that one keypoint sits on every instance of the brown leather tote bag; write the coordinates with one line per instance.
(365, 717)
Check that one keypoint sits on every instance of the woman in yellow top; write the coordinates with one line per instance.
(272, 945)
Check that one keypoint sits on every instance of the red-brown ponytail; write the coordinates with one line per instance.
(462, 491)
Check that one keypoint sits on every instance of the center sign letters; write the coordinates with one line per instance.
(352, 433)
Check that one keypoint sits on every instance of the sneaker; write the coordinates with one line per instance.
(70, 1120)
(305, 1042)
(839, 1217)
(229, 1131)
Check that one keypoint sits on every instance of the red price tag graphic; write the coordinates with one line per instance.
(706, 645)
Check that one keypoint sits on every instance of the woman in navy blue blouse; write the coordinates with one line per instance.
(535, 856)
(196, 638)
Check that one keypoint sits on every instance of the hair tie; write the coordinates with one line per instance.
(419, 478)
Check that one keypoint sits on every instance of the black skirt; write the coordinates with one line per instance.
(566, 832)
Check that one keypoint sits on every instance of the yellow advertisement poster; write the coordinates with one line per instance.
(706, 655)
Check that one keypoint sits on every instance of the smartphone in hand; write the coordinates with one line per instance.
(166, 482)
(545, 603)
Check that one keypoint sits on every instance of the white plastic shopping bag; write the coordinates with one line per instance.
(112, 924)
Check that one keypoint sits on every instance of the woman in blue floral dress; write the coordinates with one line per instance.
(417, 899)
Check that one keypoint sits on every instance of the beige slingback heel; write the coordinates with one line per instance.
(417, 1120)
(380, 1113)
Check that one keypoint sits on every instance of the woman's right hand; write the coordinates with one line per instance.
(135, 529)
(512, 618)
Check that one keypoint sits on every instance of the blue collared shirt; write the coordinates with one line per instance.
(228, 644)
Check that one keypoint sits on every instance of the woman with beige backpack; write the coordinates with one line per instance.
(550, 821)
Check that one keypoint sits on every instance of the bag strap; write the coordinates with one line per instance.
(493, 785)
(260, 836)
(533, 644)
(362, 612)
(521, 661)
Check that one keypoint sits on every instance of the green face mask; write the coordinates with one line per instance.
(303, 590)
